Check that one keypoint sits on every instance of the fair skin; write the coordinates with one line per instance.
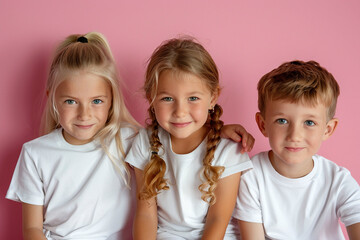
(295, 132)
(237, 133)
(181, 107)
(83, 111)
(354, 231)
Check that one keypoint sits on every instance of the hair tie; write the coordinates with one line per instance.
(154, 153)
(82, 39)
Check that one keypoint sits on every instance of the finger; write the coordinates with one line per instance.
(236, 137)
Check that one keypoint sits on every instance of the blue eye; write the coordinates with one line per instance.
(193, 98)
(309, 123)
(281, 121)
(70, 102)
(97, 101)
(167, 99)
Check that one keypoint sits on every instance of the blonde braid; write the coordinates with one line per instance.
(154, 171)
(212, 173)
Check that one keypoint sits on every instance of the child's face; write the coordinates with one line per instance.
(83, 101)
(295, 133)
(182, 103)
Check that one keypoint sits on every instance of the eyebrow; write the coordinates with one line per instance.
(284, 114)
(69, 96)
(191, 93)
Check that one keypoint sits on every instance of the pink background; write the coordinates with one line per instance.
(246, 39)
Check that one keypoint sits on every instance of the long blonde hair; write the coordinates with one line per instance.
(183, 55)
(91, 53)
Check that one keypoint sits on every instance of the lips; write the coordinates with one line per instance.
(294, 149)
(181, 125)
(84, 126)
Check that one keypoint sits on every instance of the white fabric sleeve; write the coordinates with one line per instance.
(26, 184)
(229, 155)
(348, 209)
(139, 154)
(127, 137)
(248, 207)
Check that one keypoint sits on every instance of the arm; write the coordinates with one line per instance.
(251, 231)
(219, 214)
(238, 133)
(145, 223)
(354, 231)
(32, 222)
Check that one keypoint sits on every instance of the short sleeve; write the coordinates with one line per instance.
(349, 200)
(248, 207)
(128, 134)
(228, 155)
(139, 153)
(26, 184)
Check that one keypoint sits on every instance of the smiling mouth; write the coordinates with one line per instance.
(84, 126)
(294, 149)
(181, 125)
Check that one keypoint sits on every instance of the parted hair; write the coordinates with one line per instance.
(94, 56)
(299, 81)
(182, 55)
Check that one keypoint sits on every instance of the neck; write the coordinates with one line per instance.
(296, 170)
(189, 144)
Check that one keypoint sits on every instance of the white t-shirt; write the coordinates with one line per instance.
(83, 195)
(181, 211)
(303, 208)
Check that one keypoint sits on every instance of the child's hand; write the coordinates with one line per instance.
(237, 133)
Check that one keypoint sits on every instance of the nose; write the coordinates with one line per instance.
(294, 133)
(84, 112)
(180, 109)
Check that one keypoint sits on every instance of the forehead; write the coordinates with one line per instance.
(83, 83)
(181, 81)
(276, 108)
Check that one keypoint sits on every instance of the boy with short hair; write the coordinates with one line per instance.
(292, 193)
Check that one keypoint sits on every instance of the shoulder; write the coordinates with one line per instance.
(128, 132)
(260, 163)
(338, 178)
(330, 168)
(260, 160)
(44, 141)
(228, 154)
(227, 146)
(139, 152)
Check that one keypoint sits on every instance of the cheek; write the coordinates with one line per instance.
(161, 112)
(200, 112)
(102, 113)
(63, 114)
(315, 138)
(275, 134)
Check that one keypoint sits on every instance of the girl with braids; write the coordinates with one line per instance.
(187, 176)
(72, 181)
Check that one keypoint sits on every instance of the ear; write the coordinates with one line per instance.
(261, 123)
(330, 128)
(214, 97)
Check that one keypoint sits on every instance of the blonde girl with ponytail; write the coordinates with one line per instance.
(72, 181)
(187, 176)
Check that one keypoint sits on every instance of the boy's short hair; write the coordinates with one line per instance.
(299, 81)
